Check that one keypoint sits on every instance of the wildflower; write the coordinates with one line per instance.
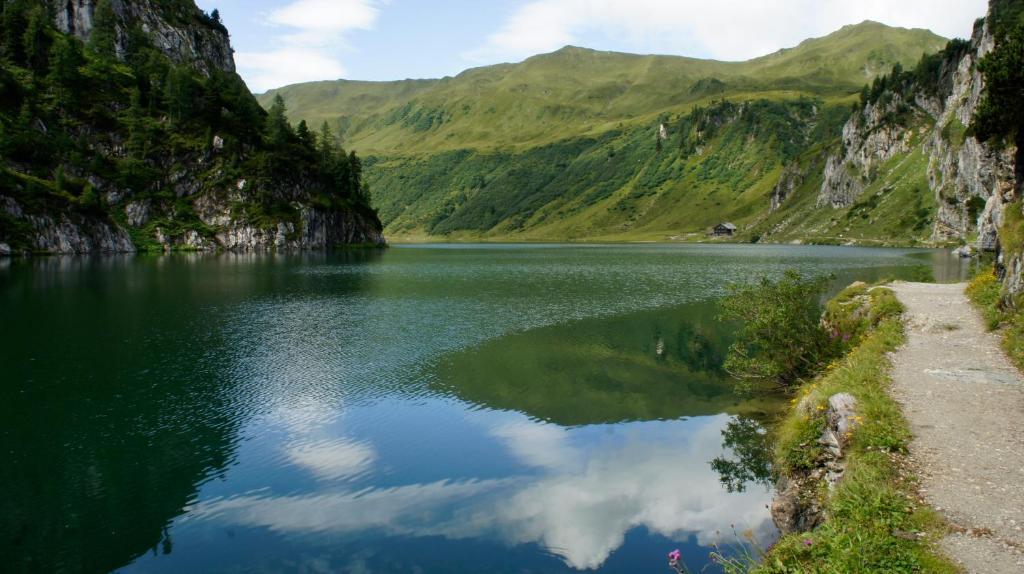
(808, 542)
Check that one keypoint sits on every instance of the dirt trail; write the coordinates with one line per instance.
(965, 404)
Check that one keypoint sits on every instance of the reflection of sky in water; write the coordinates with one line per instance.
(576, 492)
(349, 450)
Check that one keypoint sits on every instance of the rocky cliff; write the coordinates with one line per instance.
(125, 127)
(183, 33)
(928, 111)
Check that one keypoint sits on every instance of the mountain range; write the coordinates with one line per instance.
(587, 145)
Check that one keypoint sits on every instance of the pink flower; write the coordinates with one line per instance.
(808, 542)
(675, 555)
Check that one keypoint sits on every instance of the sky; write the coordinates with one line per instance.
(281, 42)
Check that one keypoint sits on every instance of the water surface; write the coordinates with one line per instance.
(466, 408)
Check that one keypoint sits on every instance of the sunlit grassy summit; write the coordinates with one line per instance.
(576, 91)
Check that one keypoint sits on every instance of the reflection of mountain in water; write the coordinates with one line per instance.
(120, 407)
(660, 364)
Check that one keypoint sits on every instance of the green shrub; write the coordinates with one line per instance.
(782, 340)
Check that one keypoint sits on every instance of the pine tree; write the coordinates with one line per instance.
(1001, 112)
(326, 145)
(13, 26)
(103, 39)
(138, 141)
(65, 77)
(180, 91)
(355, 174)
(306, 138)
(279, 131)
(35, 41)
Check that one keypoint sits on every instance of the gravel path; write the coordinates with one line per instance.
(965, 404)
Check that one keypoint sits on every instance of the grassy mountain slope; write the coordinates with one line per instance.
(576, 91)
(566, 145)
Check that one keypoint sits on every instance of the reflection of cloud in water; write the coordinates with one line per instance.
(334, 459)
(651, 474)
(539, 445)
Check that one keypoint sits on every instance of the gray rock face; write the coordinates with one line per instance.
(792, 178)
(796, 506)
(960, 171)
(137, 213)
(197, 44)
(317, 230)
(970, 180)
(70, 232)
(868, 141)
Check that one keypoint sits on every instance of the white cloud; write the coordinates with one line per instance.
(266, 70)
(725, 29)
(313, 31)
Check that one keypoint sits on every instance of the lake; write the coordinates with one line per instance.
(431, 408)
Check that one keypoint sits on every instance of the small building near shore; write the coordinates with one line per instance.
(724, 230)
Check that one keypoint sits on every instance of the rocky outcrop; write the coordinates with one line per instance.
(314, 228)
(792, 177)
(970, 180)
(796, 506)
(869, 140)
(68, 232)
(179, 30)
(72, 233)
(317, 230)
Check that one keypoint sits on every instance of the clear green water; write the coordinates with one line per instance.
(436, 409)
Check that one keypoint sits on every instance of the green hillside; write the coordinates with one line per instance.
(576, 91)
(566, 145)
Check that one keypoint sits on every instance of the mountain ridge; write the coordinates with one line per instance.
(530, 102)
(581, 144)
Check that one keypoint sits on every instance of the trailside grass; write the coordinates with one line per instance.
(875, 520)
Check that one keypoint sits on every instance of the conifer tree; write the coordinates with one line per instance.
(103, 38)
(326, 144)
(355, 171)
(35, 41)
(279, 131)
(65, 77)
(306, 138)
